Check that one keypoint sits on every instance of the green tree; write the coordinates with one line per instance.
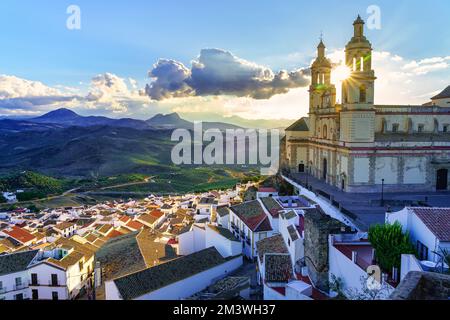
(390, 243)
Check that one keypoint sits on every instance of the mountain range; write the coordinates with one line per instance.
(62, 118)
(63, 143)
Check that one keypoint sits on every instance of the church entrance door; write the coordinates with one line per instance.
(325, 169)
(301, 168)
(442, 179)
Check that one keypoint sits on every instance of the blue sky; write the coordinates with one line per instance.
(125, 38)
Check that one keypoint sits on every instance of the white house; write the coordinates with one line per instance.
(14, 278)
(206, 206)
(153, 219)
(250, 224)
(276, 272)
(193, 240)
(264, 192)
(429, 229)
(223, 240)
(9, 197)
(66, 229)
(174, 280)
(223, 216)
(291, 228)
(350, 256)
(60, 272)
(202, 236)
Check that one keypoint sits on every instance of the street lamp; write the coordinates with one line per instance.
(382, 192)
(307, 174)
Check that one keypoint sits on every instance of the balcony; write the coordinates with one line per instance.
(20, 286)
(55, 284)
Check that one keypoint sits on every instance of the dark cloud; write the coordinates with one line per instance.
(219, 72)
(28, 103)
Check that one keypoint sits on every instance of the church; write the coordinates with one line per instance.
(361, 147)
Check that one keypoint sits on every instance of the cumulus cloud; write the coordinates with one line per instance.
(107, 93)
(427, 65)
(219, 72)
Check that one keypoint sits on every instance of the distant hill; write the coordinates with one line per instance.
(169, 121)
(85, 151)
(63, 143)
(66, 117)
(8, 125)
(69, 118)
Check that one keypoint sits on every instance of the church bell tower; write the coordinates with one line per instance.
(322, 92)
(357, 119)
(358, 89)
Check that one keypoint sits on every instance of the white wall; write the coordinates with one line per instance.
(350, 273)
(295, 248)
(225, 247)
(191, 241)
(409, 263)
(417, 230)
(9, 290)
(270, 294)
(224, 221)
(44, 272)
(386, 168)
(361, 170)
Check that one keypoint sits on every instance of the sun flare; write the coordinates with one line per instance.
(341, 73)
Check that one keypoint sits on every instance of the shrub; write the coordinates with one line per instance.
(390, 243)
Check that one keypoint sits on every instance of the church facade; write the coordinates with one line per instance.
(359, 146)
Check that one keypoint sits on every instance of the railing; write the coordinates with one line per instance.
(20, 286)
(54, 284)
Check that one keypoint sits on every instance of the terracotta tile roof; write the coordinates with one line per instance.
(292, 232)
(131, 253)
(278, 268)
(16, 262)
(436, 219)
(264, 226)
(105, 229)
(134, 225)
(252, 214)
(140, 283)
(444, 94)
(157, 214)
(299, 125)
(147, 218)
(114, 234)
(272, 206)
(273, 244)
(125, 219)
(223, 211)
(19, 234)
(64, 225)
(227, 234)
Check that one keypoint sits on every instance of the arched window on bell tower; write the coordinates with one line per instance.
(362, 94)
(325, 131)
